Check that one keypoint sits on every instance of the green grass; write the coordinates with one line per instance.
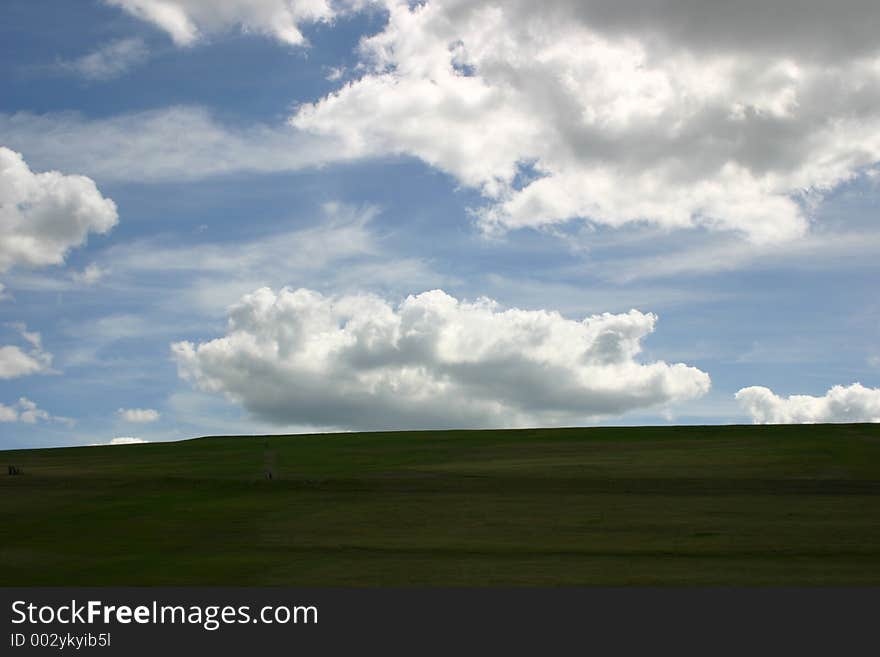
(739, 505)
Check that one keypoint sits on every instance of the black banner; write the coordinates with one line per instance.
(221, 621)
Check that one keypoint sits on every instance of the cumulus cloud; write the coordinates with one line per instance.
(141, 415)
(110, 60)
(16, 362)
(297, 357)
(681, 113)
(854, 403)
(44, 215)
(808, 28)
(23, 411)
(121, 440)
(186, 21)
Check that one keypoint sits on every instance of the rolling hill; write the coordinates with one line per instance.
(732, 505)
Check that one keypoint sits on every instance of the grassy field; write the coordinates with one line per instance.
(739, 505)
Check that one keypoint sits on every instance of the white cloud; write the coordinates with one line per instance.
(44, 215)
(110, 60)
(29, 413)
(23, 411)
(110, 328)
(820, 249)
(169, 144)
(8, 413)
(88, 276)
(16, 362)
(854, 403)
(297, 357)
(554, 111)
(338, 250)
(141, 415)
(681, 114)
(121, 440)
(186, 21)
(335, 73)
(342, 232)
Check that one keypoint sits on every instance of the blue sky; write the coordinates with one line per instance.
(363, 166)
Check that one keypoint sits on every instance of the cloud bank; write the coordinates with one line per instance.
(44, 215)
(297, 357)
(854, 403)
(678, 113)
